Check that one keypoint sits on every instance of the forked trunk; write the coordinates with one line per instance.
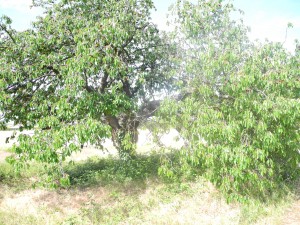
(124, 135)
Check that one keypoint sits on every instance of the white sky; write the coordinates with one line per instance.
(267, 18)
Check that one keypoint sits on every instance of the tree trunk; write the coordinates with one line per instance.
(124, 135)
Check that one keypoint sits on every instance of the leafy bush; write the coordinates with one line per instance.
(240, 110)
(247, 135)
(104, 171)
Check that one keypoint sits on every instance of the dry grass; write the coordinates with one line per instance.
(96, 198)
(157, 204)
(135, 202)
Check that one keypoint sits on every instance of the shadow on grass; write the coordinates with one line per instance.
(107, 171)
(115, 172)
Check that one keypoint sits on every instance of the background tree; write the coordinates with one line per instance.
(87, 70)
(239, 116)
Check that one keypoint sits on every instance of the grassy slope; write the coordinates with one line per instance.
(105, 191)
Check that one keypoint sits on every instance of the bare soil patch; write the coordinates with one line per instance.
(37, 201)
(292, 215)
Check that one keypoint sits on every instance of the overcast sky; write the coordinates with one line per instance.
(267, 18)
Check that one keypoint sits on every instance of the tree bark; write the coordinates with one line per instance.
(124, 134)
(124, 128)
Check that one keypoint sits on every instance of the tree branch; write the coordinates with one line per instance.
(8, 33)
(113, 122)
(150, 107)
(104, 82)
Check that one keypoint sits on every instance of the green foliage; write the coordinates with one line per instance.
(80, 75)
(17, 182)
(240, 111)
(6, 172)
(88, 70)
(113, 197)
(97, 171)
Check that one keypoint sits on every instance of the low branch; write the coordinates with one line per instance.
(149, 108)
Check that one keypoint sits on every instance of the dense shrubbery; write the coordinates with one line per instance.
(249, 138)
(240, 115)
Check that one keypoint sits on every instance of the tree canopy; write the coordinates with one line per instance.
(89, 70)
(240, 117)
(85, 71)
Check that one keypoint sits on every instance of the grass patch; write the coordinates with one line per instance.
(13, 218)
(110, 191)
(108, 171)
(273, 208)
(114, 212)
(24, 180)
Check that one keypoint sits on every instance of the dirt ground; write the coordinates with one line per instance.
(292, 215)
(201, 208)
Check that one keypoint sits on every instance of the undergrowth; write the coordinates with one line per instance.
(133, 191)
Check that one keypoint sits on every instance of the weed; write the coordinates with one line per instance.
(105, 171)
